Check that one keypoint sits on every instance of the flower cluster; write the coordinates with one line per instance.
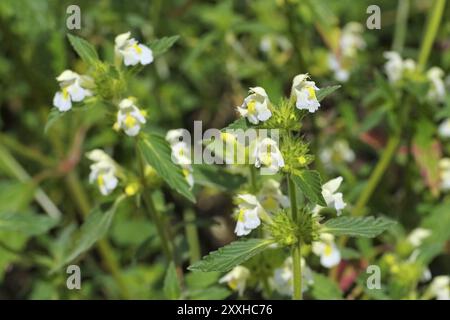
(350, 42)
(129, 118)
(181, 154)
(398, 70)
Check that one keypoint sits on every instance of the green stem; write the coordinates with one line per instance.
(253, 183)
(192, 235)
(107, 254)
(296, 251)
(401, 24)
(376, 175)
(154, 216)
(297, 266)
(434, 19)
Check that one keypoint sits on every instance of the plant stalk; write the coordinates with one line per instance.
(296, 251)
(192, 235)
(401, 24)
(434, 19)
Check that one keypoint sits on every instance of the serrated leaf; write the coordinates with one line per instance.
(171, 286)
(322, 93)
(310, 184)
(160, 46)
(357, 226)
(157, 153)
(30, 224)
(93, 229)
(85, 50)
(226, 258)
(324, 288)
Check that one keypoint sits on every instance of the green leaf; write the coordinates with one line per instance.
(310, 184)
(214, 176)
(236, 253)
(27, 223)
(171, 287)
(240, 123)
(201, 280)
(357, 226)
(85, 50)
(160, 46)
(324, 288)
(157, 153)
(93, 229)
(52, 119)
(438, 221)
(15, 196)
(326, 91)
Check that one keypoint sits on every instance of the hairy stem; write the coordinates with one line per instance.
(296, 251)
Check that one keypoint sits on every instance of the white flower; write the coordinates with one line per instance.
(256, 106)
(305, 92)
(283, 278)
(440, 287)
(267, 154)
(103, 171)
(173, 136)
(271, 197)
(396, 68)
(332, 198)
(248, 214)
(181, 154)
(71, 90)
(417, 236)
(444, 167)
(132, 51)
(444, 128)
(351, 40)
(129, 117)
(437, 89)
(340, 73)
(340, 151)
(236, 279)
(327, 250)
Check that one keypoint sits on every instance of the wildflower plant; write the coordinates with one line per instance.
(298, 225)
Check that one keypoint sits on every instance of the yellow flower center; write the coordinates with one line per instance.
(241, 215)
(65, 94)
(251, 107)
(233, 283)
(270, 203)
(311, 92)
(185, 173)
(137, 48)
(266, 159)
(328, 250)
(130, 121)
(100, 180)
